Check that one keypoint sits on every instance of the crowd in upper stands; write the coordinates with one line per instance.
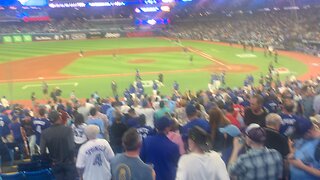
(266, 132)
(281, 29)
(293, 30)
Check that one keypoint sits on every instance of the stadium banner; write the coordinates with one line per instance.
(17, 38)
(43, 37)
(78, 36)
(7, 39)
(140, 34)
(113, 35)
(27, 38)
(95, 34)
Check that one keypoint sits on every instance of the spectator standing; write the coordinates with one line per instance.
(307, 101)
(217, 120)
(59, 141)
(162, 111)
(15, 128)
(161, 152)
(40, 124)
(28, 131)
(201, 163)
(128, 165)
(259, 162)
(94, 156)
(275, 140)
(255, 113)
(78, 131)
(116, 132)
(305, 161)
(147, 111)
(194, 120)
(4, 126)
(175, 137)
(289, 119)
(105, 120)
(96, 121)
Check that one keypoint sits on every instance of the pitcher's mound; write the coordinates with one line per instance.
(141, 61)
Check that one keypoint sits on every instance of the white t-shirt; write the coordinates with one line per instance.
(208, 166)
(79, 135)
(148, 112)
(94, 156)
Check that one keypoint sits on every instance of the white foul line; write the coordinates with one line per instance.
(52, 84)
(207, 56)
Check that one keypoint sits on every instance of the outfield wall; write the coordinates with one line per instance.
(81, 35)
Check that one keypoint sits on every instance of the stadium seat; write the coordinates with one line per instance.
(16, 176)
(39, 175)
(29, 166)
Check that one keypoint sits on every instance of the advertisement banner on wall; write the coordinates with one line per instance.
(140, 34)
(112, 35)
(78, 36)
(27, 38)
(17, 38)
(94, 34)
(43, 37)
(7, 39)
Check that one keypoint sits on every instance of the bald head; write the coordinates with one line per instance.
(91, 131)
(273, 121)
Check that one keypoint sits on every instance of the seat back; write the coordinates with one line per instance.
(39, 175)
(16, 176)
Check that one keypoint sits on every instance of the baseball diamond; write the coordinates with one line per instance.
(100, 67)
(160, 89)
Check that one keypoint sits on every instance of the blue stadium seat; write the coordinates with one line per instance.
(16, 176)
(39, 175)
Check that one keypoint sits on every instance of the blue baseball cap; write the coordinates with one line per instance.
(190, 109)
(162, 123)
(302, 126)
(232, 130)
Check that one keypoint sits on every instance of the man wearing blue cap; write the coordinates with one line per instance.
(194, 120)
(160, 151)
(305, 161)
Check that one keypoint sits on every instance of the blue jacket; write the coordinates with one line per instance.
(163, 154)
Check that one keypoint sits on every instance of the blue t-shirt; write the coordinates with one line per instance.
(38, 125)
(110, 115)
(271, 106)
(100, 124)
(145, 131)
(305, 151)
(105, 107)
(15, 128)
(287, 127)
(163, 154)
(4, 125)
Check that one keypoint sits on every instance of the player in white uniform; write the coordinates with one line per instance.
(94, 156)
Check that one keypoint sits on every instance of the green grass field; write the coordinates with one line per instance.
(94, 65)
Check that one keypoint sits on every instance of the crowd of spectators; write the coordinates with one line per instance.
(266, 132)
(282, 29)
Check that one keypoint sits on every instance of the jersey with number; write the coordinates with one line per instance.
(94, 156)
(78, 132)
(4, 125)
(40, 124)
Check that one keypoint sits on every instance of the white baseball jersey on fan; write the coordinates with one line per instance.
(94, 156)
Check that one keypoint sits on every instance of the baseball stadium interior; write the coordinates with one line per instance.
(160, 89)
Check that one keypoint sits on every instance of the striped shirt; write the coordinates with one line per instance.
(258, 164)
